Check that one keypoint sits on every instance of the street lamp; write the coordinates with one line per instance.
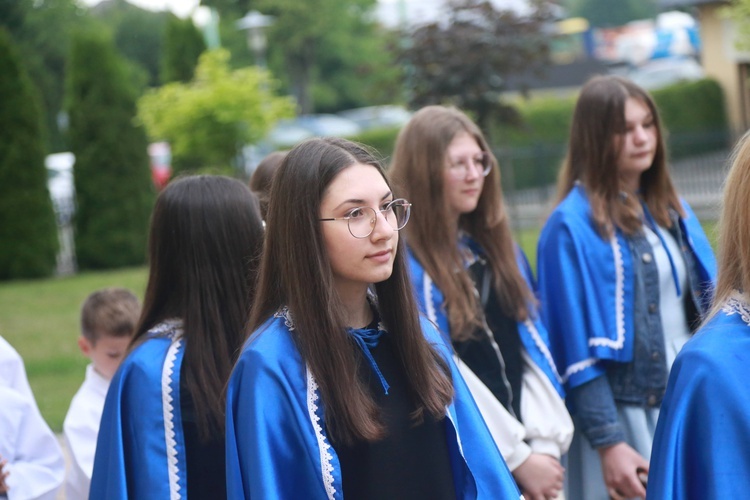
(256, 23)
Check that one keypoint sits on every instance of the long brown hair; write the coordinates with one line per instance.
(296, 272)
(593, 149)
(204, 244)
(734, 231)
(417, 169)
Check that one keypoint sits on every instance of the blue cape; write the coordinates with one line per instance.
(586, 287)
(702, 441)
(277, 444)
(532, 331)
(140, 451)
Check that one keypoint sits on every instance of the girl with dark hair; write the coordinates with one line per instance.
(260, 181)
(162, 430)
(342, 391)
(703, 434)
(625, 273)
(474, 282)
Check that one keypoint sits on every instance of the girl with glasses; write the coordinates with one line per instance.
(474, 282)
(625, 272)
(341, 390)
(703, 435)
(162, 429)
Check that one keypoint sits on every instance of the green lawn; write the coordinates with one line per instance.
(40, 318)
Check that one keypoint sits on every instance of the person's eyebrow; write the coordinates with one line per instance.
(360, 201)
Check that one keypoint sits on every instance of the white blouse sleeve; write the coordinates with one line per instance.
(549, 428)
(35, 462)
(508, 433)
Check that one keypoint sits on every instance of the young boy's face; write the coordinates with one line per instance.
(106, 354)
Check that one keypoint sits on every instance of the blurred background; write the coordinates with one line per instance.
(104, 101)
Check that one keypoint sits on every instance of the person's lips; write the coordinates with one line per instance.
(382, 256)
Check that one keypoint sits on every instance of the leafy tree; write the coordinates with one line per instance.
(362, 75)
(312, 32)
(28, 235)
(230, 8)
(208, 120)
(112, 175)
(137, 34)
(739, 12)
(466, 61)
(41, 31)
(608, 13)
(183, 45)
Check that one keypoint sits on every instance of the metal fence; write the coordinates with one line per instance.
(698, 179)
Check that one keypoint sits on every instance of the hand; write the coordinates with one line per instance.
(621, 466)
(3, 474)
(540, 477)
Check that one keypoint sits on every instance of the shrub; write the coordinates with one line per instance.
(112, 175)
(28, 234)
(183, 45)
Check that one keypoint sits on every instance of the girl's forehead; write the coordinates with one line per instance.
(357, 182)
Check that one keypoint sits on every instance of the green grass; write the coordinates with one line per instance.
(40, 318)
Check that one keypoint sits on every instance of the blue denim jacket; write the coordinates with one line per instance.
(643, 381)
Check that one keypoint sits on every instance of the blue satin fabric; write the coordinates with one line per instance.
(533, 333)
(579, 292)
(132, 449)
(701, 447)
(277, 445)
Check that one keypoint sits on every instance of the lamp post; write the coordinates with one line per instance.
(256, 23)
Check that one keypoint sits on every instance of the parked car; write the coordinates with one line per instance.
(324, 125)
(660, 73)
(371, 117)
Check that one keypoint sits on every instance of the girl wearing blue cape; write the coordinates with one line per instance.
(162, 429)
(342, 390)
(703, 435)
(625, 274)
(474, 282)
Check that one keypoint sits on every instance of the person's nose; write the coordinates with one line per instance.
(639, 135)
(473, 169)
(382, 229)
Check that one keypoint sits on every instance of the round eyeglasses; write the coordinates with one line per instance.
(480, 162)
(362, 220)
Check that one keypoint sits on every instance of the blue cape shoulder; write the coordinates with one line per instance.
(586, 287)
(532, 331)
(277, 443)
(140, 452)
(703, 433)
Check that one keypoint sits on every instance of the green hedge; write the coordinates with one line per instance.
(28, 234)
(114, 193)
(383, 140)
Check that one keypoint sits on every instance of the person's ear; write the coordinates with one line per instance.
(85, 346)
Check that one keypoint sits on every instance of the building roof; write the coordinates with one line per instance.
(553, 76)
(675, 4)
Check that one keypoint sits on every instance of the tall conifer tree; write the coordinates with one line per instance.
(28, 234)
(183, 45)
(112, 175)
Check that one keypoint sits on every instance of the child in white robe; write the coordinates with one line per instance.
(31, 461)
(108, 320)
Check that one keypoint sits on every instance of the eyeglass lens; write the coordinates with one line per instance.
(481, 163)
(362, 221)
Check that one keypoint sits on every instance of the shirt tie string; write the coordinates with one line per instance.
(652, 224)
(366, 339)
